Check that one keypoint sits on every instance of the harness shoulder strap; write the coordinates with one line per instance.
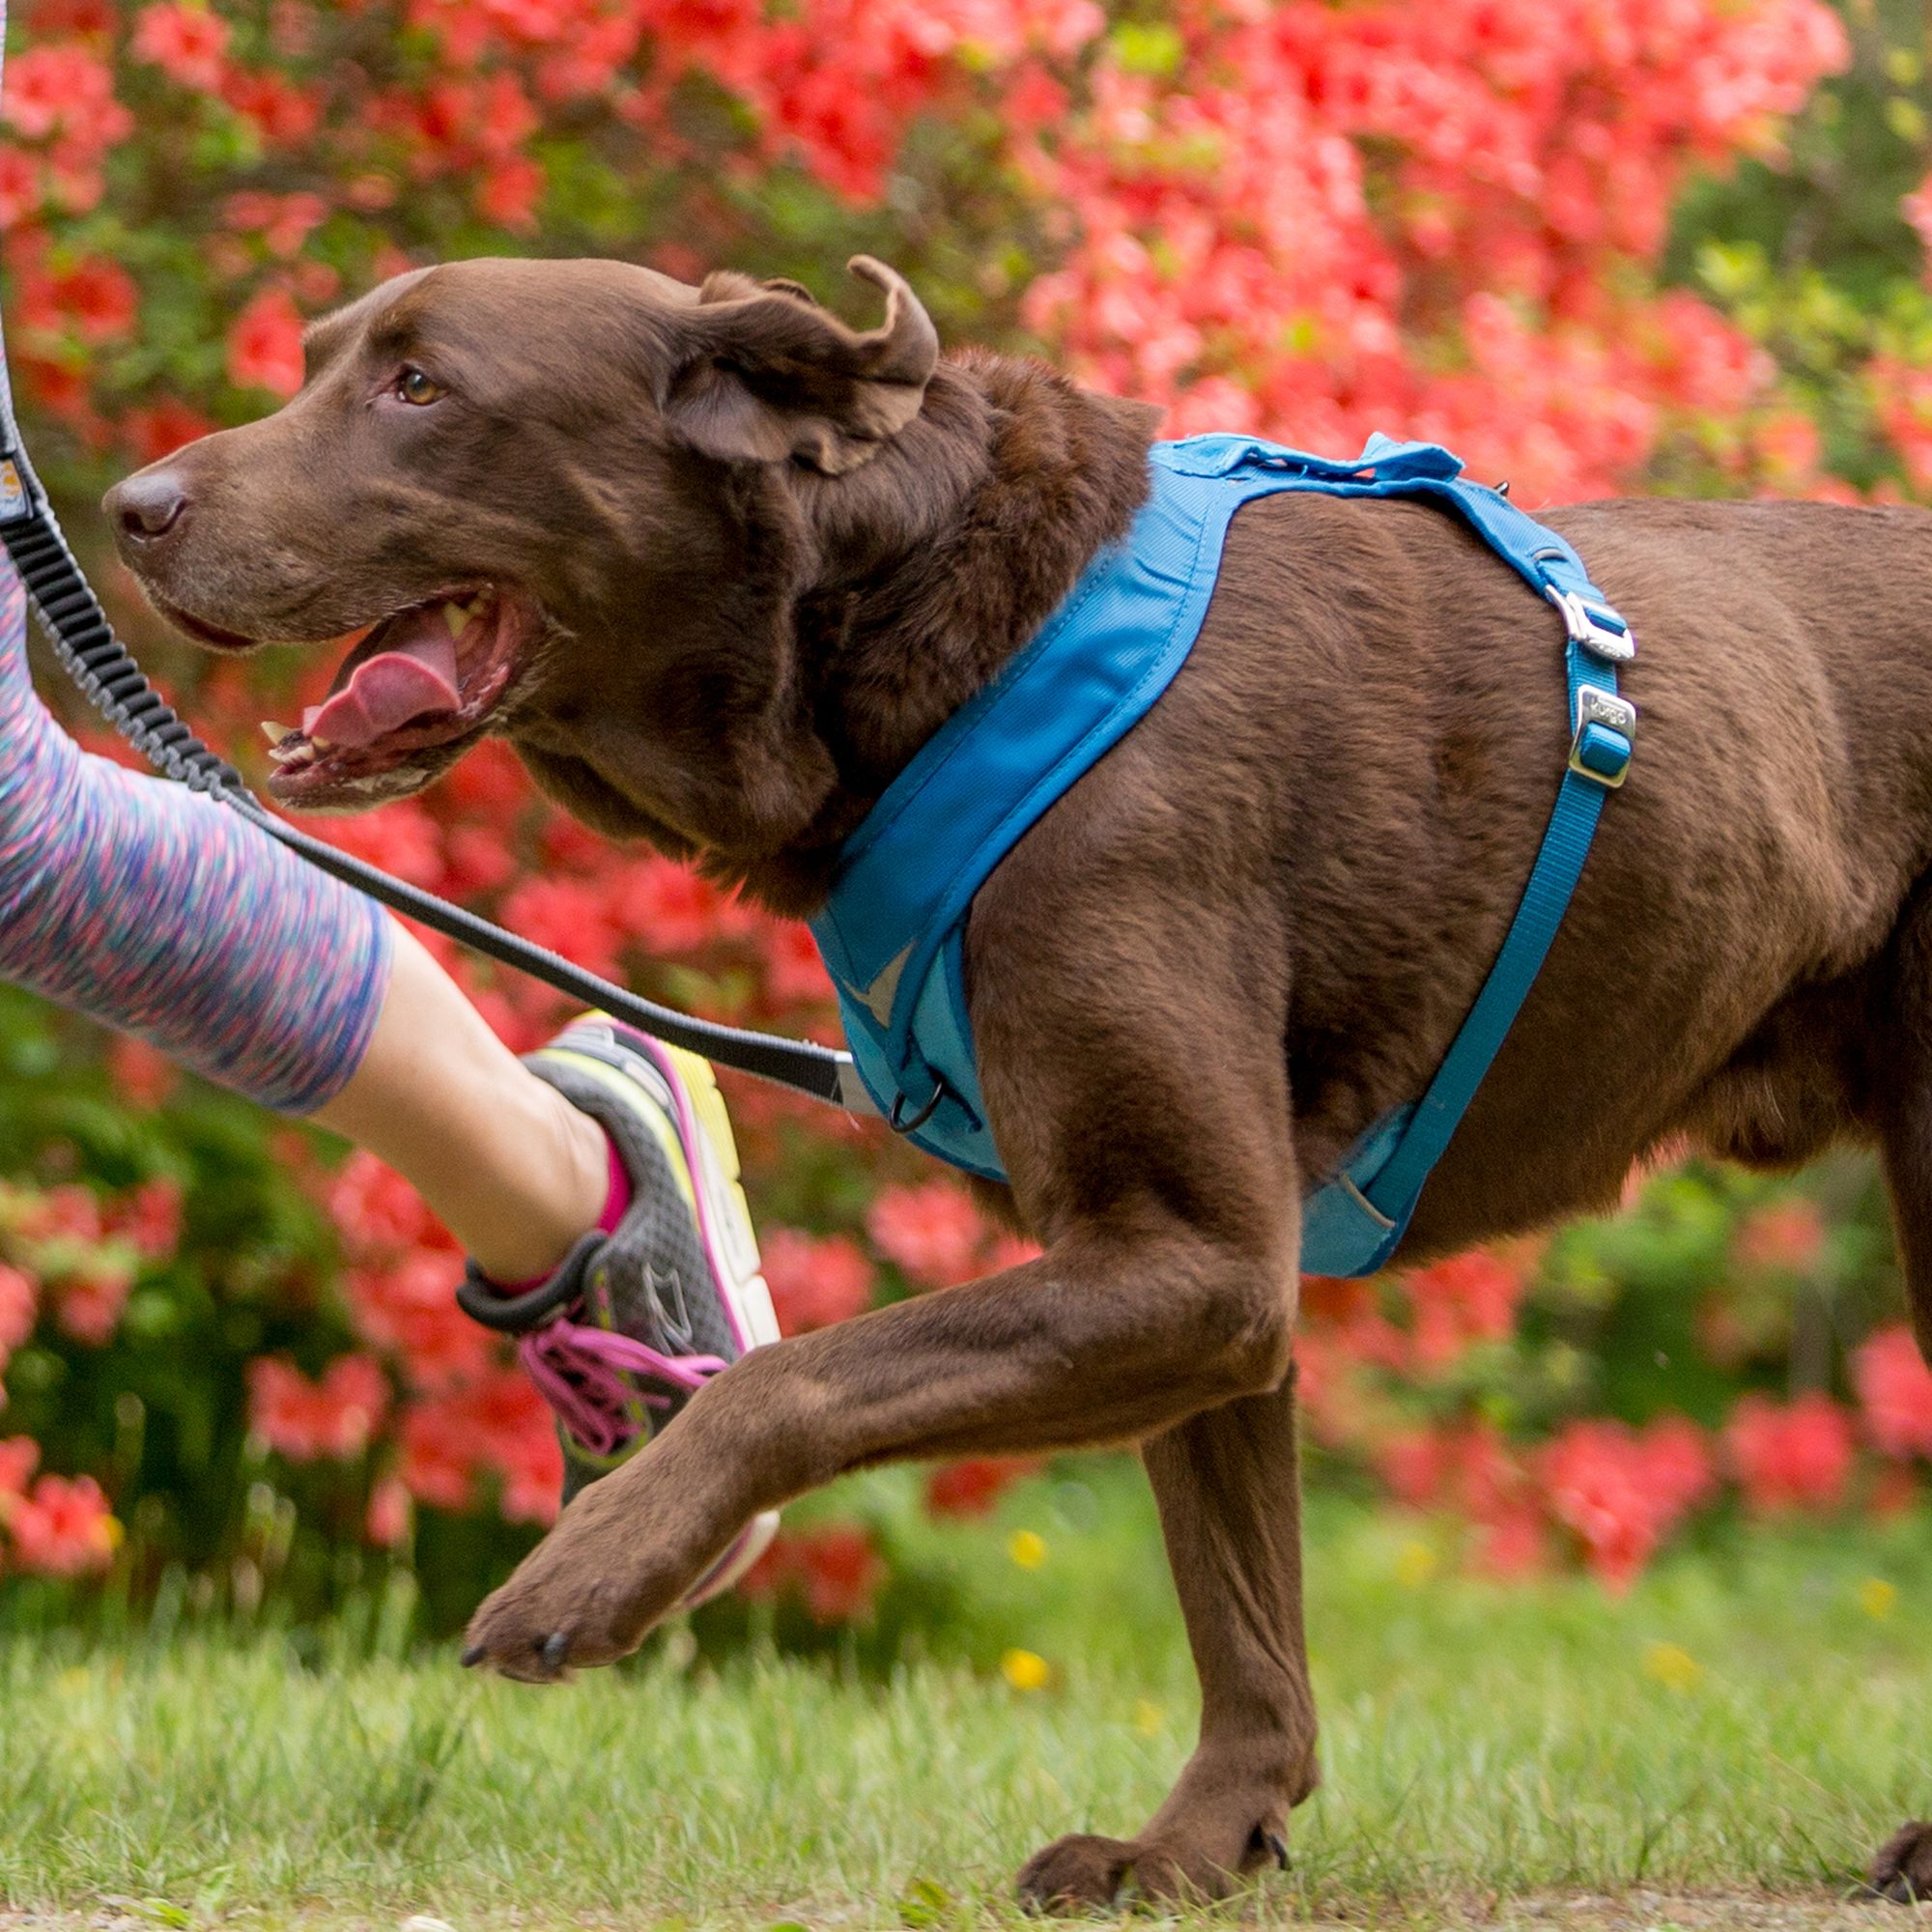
(1602, 736)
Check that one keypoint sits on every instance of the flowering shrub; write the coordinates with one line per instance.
(1534, 229)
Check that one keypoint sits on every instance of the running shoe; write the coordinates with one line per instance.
(635, 1320)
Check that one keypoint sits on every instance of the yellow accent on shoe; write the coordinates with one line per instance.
(663, 1129)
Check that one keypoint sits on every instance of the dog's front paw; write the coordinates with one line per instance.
(1902, 1869)
(590, 1591)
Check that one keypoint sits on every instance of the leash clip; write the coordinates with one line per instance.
(1606, 736)
(1581, 621)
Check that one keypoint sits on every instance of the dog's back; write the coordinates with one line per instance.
(1371, 732)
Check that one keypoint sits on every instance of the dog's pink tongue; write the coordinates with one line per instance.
(416, 679)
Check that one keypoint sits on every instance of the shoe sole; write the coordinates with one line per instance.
(751, 1543)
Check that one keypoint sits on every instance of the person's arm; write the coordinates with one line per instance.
(157, 911)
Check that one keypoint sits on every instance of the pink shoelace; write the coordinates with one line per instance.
(579, 1372)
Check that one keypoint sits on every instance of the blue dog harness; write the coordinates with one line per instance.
(892, 932)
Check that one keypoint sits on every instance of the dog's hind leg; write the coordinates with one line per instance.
(1228, 1486)
(1898, 1077)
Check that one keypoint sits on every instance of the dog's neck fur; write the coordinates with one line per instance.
(943, 554)
(892, 593)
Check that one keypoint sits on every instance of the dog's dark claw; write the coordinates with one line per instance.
(1274, 1844)
(555, 1648)
(473, 1655)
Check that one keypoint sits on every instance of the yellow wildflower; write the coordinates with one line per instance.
(1027, 1547)
(1877, 1598)
(1671, 1666)
(1025, 1669)
(1415, 1563)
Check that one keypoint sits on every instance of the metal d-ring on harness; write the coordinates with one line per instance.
(104, 669)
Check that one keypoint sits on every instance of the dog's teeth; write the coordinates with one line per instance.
(457, 618)
(322, 743)
(275, 733)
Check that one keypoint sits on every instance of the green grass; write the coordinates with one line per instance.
(1480, 1743)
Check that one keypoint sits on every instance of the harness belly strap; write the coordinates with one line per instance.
(893, 930)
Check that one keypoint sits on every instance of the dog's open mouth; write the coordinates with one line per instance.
(425, 677)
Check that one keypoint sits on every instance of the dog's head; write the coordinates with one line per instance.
(496, 491)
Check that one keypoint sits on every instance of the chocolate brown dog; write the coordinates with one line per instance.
(717, 565)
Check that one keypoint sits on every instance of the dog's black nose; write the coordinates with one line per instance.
(147, 506)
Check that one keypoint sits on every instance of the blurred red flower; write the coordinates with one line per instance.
(149, 1216)
(409, 1305)
(1797, 1455)
(88, 1302)
(379, 1214)
(19, 1307)
(99, 298)
(62, 1528)
(1894, 1391)
(301, 1420)
(1622, 1490)
(933, 1232)
(187, 42)
(390, 1512)
(1470, 1297)
(840, 1572)
(434, 1466)
(815, 1279)
(794, 972)
(834, 1568)
(58, 85)
(478, 859)
(974, 1487)
(143, 1076)
(1787, 1236)
(280, 110)
(569, 915)
(265, 345)
(400, 838)
(670, 910)
(19, 1457)
(493, 1421)
(509, 190)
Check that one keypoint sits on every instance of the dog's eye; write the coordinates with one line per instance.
(415, 385)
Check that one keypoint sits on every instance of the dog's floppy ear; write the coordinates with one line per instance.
(768, 374)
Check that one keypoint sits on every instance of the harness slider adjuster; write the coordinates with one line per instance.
(1605, 738)
(1581, 621)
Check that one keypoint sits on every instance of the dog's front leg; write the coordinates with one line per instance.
(1120, 1330)
(1228, 1486)
(1160, 1171)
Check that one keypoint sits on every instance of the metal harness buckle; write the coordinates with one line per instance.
(1599, 639)
(1605, 738)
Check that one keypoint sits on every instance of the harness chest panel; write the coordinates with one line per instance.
(893, 930)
